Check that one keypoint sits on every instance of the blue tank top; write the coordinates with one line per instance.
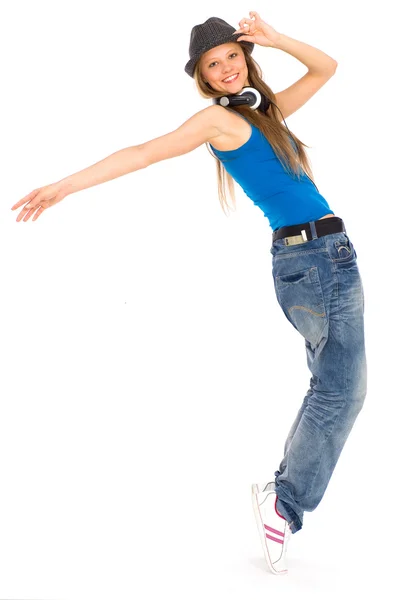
(284, 199)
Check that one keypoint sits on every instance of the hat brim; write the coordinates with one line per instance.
(190, 65)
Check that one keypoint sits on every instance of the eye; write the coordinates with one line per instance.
(233, 54)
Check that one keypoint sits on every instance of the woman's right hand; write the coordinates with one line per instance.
(40, 199)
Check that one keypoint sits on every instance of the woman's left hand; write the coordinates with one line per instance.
(257, 31)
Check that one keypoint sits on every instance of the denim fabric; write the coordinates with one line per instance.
(319, 288)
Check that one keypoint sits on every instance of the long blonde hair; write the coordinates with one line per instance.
(269, 123)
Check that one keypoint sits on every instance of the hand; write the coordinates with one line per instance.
(40, 199)
(257, 31)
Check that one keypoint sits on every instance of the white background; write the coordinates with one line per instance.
(148, 374)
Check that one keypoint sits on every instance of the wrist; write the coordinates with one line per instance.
(66, 186)
(279, 41)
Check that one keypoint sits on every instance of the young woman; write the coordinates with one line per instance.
(314, 263)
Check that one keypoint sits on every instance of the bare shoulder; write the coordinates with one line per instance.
(203, 126)
(233, 130)
(216, 117)
(225, 120)
(222, 128)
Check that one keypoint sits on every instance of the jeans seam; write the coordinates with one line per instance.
(300, 253)
(308, 310)
(309, 487)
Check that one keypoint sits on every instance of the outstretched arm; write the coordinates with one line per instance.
(197, 130)
(192, 133)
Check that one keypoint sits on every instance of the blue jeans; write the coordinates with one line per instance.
(319, 288)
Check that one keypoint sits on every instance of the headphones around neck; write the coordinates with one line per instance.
(248, 95)
(253, 99)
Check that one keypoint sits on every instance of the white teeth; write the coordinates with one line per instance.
(230, 78)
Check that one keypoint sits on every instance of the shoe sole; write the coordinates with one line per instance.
(261, 531)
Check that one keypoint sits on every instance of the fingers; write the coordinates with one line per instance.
(27, 198)
(37, 201)
(247, 23)
(26, 213)
(39, 212)
(247, 38)
(244, 25)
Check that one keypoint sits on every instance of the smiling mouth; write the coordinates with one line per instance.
(231, 80)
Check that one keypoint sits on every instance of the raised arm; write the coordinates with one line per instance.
(197, 130)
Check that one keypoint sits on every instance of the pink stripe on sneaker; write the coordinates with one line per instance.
(274, 530)
(273, 539)
(277, 511)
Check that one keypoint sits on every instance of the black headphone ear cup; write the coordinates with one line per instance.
(265, 104)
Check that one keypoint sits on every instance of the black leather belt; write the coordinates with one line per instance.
(302, 232)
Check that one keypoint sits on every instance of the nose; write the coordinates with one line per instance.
(227, 69)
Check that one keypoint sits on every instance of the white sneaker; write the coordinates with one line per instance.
(274, 530)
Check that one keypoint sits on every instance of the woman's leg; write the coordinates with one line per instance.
(293, 428)
(320, 291)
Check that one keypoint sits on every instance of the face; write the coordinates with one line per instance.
(221, 62)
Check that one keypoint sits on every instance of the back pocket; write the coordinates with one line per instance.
(342, 250)
(301, 298)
